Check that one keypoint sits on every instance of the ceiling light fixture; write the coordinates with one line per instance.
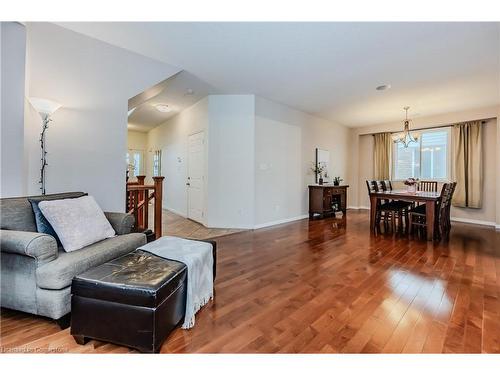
(406, 137)
(163, 108)
(383, 87)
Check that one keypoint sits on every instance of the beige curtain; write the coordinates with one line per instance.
(468, 164)
(382, 156)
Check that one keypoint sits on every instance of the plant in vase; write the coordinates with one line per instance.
(337, 180)
(318, 169)
(411, 184)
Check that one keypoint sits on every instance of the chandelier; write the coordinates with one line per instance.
(406, 137)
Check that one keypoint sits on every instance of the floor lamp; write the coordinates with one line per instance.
(45, 108)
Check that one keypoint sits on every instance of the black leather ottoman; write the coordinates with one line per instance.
(135, 300)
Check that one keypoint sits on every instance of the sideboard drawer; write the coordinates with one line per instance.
(335, 191)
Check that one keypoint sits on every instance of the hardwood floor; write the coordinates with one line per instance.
(175, 225)
(328, 286)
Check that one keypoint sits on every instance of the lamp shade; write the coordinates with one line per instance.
(44, 106)
(130, 111)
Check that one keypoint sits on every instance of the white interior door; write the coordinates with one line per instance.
(196, 178)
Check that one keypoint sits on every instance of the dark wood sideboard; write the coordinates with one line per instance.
(327, 199)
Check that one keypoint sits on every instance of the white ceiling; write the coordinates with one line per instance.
(330, 69)
(179, 92)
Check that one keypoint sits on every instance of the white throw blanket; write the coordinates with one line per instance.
(197, 256)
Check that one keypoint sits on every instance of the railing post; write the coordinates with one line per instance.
(158, 183)
(146, 209)
(140, 181)
(136, 213)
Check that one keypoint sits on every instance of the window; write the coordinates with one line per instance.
(157, 163)
(429, 159)
(134, 160)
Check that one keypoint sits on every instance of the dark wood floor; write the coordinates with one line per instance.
(329, 286)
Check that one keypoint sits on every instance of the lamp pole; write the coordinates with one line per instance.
(45, 126)
(45, 108)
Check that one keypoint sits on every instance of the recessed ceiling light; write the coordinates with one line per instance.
(383, 87)
(163, 108)
(189, 92)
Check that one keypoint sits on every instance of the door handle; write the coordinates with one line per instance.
(188, 184)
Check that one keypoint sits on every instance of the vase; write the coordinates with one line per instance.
(412, 188)
(320, 181)
(336, 183)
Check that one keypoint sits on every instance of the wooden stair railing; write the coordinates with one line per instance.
(137, 203)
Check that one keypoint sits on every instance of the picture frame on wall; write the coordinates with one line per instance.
(323, 156)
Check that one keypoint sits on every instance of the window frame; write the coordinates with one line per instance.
(421, 133)
(131, 153)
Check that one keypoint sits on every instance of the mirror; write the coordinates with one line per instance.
(323, 157)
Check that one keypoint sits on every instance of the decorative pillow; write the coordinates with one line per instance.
(78, 222)
(42, 225)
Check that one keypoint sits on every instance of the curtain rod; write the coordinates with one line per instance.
(483, 121)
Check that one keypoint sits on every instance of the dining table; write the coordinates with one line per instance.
(429, 198)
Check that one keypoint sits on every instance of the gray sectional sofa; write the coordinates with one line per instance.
(36, 275)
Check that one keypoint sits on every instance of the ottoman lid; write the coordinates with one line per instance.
(138, 278)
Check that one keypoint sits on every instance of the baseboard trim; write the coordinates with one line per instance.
(282, 221)
(358, 208)
(476, 222)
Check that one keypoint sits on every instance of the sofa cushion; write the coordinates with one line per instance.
(42, 224)
(17, 214)
(78, 222)
(59, 273)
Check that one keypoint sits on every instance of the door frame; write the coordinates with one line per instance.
(203, 217)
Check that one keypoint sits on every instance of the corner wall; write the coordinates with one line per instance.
(172, 138)
(228, 122)
(285, 143)
(87, 139)
(259, 155)
(12, 82)
(231, 160)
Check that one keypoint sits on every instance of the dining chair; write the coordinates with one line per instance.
(430, 186)
(403, 205)
(427, 186)
(442, 223)
(387, 185)
(381, 210)
(388, 210)
(444, 212)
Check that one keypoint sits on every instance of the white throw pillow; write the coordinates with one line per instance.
(78, 222)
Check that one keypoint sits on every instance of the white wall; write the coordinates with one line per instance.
(172, 138)
(361, 161)
(93, 81)
(228, 122)
(285, 143)
(12, 82)
(231, 161)
(137, 140)
(259, 155)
